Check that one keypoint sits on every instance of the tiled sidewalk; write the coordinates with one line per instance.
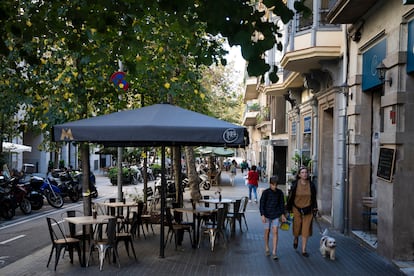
(243, 255)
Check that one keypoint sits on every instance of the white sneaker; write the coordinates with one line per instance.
(255, 201)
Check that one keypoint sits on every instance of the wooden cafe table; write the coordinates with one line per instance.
(85, 221)
(197, 212)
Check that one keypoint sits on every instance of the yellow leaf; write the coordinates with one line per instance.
(161, 49)
(138, 58)
(174, 79)
(43, 126)
(195, 91)
(202, 96)
(28, 23)
(167, 85)
(75, 74)
(43, 61)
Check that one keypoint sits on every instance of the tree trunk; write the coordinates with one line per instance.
(192, 174)
(177, 174)
(87, 210)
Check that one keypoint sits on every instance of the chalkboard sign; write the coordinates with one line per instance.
(386, 163)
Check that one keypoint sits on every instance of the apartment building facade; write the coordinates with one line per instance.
(346, 82)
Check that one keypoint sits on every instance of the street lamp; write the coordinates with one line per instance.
(381, 70)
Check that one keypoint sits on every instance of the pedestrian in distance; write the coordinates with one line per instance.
(244, 166)
(302, 202)
(272, 209)
(233, 171)
(253, 183)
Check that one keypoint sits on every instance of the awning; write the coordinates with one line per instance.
(16, 148)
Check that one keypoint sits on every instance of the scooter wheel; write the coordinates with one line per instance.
(25, 206)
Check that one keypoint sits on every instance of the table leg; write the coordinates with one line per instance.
(196, 229)
(83, 263)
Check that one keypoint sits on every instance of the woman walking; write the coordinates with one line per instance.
(233, 171)
(302, 201)
(253, 183)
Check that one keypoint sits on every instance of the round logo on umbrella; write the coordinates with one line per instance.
(230, 135)
(118, 78)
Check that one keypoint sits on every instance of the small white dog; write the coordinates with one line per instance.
(327, 245)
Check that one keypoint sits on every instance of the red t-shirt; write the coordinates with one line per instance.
(253, 178)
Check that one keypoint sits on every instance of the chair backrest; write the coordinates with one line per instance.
(168, 217)
(72, 227)
(243, 205)
(221, 217)
(111, 231)
(135, 222)
(150, 192)
(55, 231)
(111, 210)
(236, 206)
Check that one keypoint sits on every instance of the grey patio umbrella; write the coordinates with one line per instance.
(155, 125)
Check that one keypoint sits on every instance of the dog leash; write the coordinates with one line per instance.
(315, 215)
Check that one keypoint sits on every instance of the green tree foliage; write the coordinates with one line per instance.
(58, 56)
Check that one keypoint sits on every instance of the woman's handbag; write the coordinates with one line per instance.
(305, 210)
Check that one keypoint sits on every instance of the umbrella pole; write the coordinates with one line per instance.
(119, 178)
(163, 184)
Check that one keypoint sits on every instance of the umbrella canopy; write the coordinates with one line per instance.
(16, 148)
(156, 125)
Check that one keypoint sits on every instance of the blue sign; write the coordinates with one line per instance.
(410, 47)
(307, 126)
(370, 61)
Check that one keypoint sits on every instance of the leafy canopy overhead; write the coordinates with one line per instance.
(57, 56)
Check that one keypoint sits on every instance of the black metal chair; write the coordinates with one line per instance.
(61, 241)
(235, 215)
(242, 212)
(175, 227)
(127, 235)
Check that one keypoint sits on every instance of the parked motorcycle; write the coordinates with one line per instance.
(34, 193)
(7, 203)
(20, 196)
(204, 182)
(52, 193)
(68, 186)
(39, 188)
(77, 176)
